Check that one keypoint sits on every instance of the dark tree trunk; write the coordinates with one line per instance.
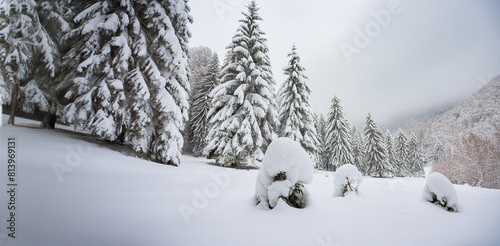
(123, 133)
(49, 121)
(13, 102)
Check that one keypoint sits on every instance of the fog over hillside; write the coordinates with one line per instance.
(413, 118)
(479, 114)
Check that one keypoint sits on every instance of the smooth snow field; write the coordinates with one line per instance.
(73, 190)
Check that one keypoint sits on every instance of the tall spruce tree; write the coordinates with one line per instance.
(28, 56)
(338, 136)
(323, 149)
(390, 156)
(199, 60)
(243, 115)
(128, 74)
(400, 154)
(358, 150)
(375, 150)
(296, 115)
(415, 157)
(202, 102)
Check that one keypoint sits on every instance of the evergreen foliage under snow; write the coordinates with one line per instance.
(295, 114)
(199, 60)
(323, 149)
(338, 135)
(401, 154)
(131, 75)
(202, 102)
(415, 158)
(243, 117)
(28, 56)
(375, 151)
(390, 155)
(358, 150)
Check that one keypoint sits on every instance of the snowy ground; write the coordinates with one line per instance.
(106, 198)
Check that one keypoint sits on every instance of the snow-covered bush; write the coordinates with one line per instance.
(285, 169)
(346, 179)
(440, 191)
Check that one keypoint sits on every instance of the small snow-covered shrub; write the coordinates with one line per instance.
(346, 179)
(277, 190)
(297, 196)
(285, 169)
(439, 190)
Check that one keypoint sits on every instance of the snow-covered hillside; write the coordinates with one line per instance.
(480, 114)
(102, 197)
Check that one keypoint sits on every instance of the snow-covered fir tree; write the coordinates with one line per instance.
(323, 149)
(375, 152)
(202, 102)
(338, 136)
(415, 157)
(96, 80)
(400, 154)
(28, 57)
(243, 115)
(358, 150)
(390, 154)
(128, 74)
(295, 114)
(199, 60)
(438, 154)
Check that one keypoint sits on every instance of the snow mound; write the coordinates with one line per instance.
(284, 165)
(346, 179)
(286, 155)
(439, 190)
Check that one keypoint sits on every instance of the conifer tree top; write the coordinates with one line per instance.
(336, 112)
(252, 13)
(295, 70)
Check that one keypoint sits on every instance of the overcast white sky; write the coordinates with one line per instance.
(428, 54)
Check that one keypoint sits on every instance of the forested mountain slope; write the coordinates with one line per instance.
(479, 114)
